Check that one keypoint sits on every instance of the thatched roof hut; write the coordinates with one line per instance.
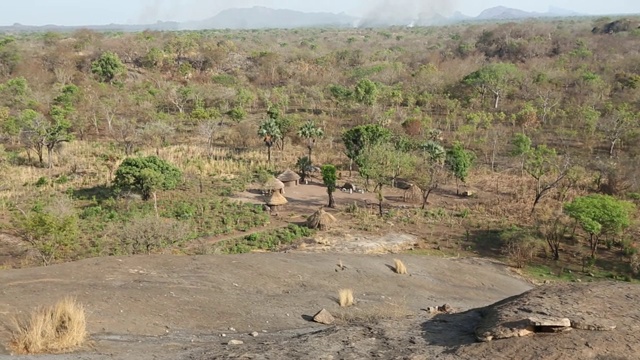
(289, 178)
(276, 199)
(320, 220)
(273, 185)
(413, 195)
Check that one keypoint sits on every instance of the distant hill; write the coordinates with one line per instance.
(259, 17)
(505, 13)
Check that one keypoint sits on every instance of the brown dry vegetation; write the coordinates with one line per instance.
(196, 100)
(345, 297)
(53, 329)
(399, 267)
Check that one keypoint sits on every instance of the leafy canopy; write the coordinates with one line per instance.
(329, 177)
(147, 175)
(269, 131)
(459, 161)
(600, 214)
(493, 76)
(357, 139)
(310, 131)
(107, 67)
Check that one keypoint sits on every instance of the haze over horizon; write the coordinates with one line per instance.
(88, 12)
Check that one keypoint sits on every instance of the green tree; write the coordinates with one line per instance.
(547, 168)
(147, 175)
(329, 178)
(366, 92)
(270, 134)
(286, 125)
(303, 164)
(430, 169)
(107, 67)
(459, 162)
(600, 215)
(9, 55)
(39, 133)
(50, 234)
(383, 163)
(310, 132)
(617, 123)
(16, 94)
(358, 139)
(495, 78)
(521, 147)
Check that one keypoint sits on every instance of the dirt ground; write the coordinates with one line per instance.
(172, 307)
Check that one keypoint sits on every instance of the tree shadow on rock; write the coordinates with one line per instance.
(452, 331)
(486, 243)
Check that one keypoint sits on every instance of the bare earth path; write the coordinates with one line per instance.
(173, 307)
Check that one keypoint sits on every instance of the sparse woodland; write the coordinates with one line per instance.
(530, 116)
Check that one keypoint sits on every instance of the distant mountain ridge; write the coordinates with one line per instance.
(259, 17)
(505, 13)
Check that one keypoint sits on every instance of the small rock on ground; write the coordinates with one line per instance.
(324, 317)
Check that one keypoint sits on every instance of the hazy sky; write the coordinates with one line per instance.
(95, 12)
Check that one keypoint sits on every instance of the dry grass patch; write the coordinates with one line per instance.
(399, 267)
(345, 297)
(55, 329)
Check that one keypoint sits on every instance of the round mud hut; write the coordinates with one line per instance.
(289, 178)
(276, 200)
(413, 195)
(273, 185)
(321, 220)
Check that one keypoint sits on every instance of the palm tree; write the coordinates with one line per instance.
(310, 131)
(270, 133)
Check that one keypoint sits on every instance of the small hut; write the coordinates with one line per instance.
(289, 178)
(273, 185)
(276, 200)
(413, 194)
(320, 220)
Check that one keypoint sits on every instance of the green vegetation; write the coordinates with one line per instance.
(269, 240)
(538, 131)
(329, 179)
(600, 215)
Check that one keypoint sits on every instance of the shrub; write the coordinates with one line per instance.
(42, 181)
(399, 267)
(52, 234)
(146, 235)
(345, 297)
(55, 329)
(183, 211)
(519, 246)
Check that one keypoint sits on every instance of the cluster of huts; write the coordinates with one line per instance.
(274, 190)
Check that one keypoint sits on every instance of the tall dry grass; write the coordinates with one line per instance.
(345, 297)
(399, 267)
(55, 329)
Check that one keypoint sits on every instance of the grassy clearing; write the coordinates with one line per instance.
(55, 329)
(541, 272)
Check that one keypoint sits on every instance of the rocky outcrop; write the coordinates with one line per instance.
(548, 309)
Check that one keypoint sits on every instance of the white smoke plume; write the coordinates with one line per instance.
(405, 12)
